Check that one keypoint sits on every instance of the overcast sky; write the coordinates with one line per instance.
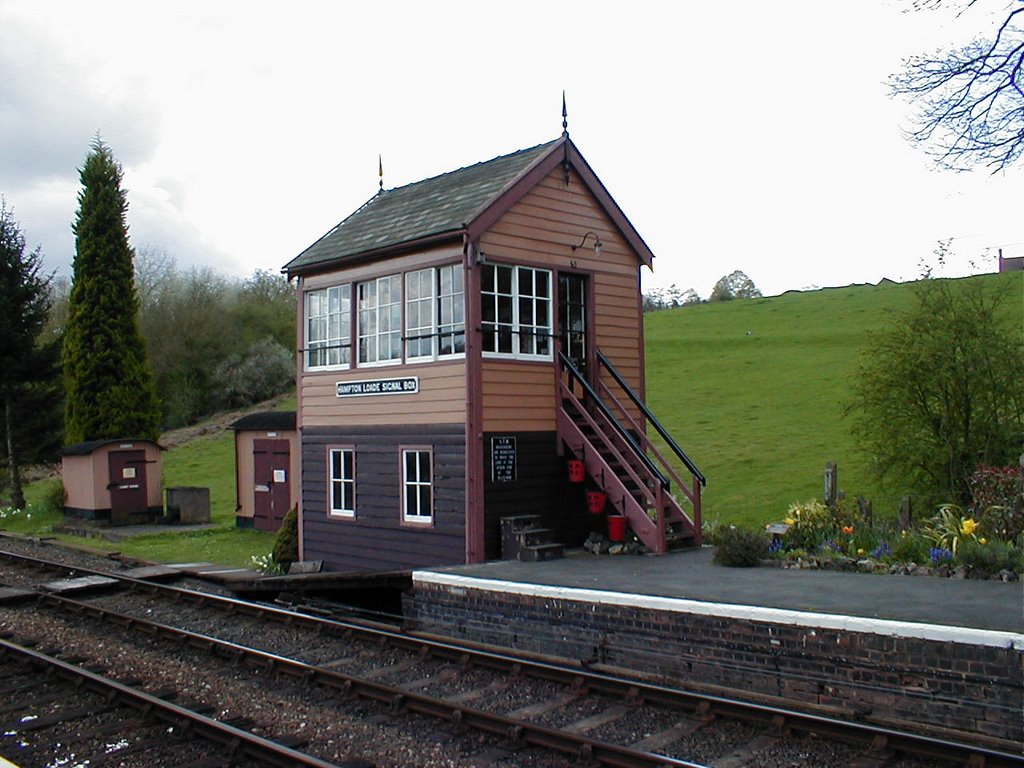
(750, 135)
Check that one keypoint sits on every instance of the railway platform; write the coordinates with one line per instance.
(944, 654)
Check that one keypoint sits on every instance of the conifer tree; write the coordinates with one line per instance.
(108, 383)
(26, 366)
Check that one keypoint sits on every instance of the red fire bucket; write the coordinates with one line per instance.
(617, 527)
(577, 471)
(595, 502)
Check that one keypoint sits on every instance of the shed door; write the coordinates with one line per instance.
(272, 485)
(128, 493)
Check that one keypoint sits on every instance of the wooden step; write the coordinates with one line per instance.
(540, 552)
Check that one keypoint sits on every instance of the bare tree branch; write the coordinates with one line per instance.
(970, 101)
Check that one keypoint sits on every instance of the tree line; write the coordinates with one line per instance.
(735, 285)
(133, 344)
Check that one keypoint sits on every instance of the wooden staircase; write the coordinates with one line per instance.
(598, 428)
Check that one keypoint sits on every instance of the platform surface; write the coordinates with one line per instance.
(691, 575)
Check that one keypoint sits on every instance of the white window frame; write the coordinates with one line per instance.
(415, 483)
(376, 321)
(438, 311)
(342, 480)
(420, 288)
(322, 341)
(514, 325)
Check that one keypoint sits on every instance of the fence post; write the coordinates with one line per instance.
(831, 471)
(905, 513)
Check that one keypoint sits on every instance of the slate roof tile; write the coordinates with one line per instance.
(435, 206)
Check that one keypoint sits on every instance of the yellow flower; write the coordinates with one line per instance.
(983, 540)
(789, 521)
(968, 526)
(860, 551)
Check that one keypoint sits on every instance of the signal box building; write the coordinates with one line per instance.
(471, 347)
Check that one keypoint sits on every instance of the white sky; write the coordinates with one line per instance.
(752, 135)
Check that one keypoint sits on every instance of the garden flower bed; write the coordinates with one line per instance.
(985, 541)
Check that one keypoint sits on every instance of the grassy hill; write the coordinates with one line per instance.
(754, 391)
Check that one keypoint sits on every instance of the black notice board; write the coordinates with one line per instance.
(503, 459)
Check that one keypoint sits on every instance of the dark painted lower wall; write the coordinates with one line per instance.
(375, 539)
(540, 487)
(963, 687)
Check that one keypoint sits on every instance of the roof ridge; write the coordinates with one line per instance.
(466, 168)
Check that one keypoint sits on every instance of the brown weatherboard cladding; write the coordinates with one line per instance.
(376, 539)
(540, 488)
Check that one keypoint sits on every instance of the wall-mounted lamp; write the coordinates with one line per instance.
(597, 243)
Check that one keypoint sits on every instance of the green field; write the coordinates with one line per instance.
(754, 391)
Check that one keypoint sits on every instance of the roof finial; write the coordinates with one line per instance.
(565, 121)
(380, 173)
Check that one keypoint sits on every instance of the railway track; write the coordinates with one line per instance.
(56, 713)
(540, 707)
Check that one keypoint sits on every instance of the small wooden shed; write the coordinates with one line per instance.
(118, 482)
(266, 469)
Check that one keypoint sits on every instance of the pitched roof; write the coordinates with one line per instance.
(84, 449)
(262, 420)
(468, 200)
(432, 207)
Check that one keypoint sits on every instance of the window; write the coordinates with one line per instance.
(451, 311)
(328, 324)
(417, 496)
(435, 309)
(342, 490)
(380, 320)
(516, 311)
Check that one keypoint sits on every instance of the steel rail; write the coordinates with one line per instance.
(235, 741)
(865, 734)
(516, 732)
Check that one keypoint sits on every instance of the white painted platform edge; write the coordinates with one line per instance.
(938, 632)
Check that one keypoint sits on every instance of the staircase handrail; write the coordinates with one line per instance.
(622, 431)
(651, 418)
(647, 443)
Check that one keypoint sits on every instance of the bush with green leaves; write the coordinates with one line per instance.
(286, 545)
(991, 557)
(740, 547)
(997, 501)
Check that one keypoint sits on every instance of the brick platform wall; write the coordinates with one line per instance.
(939, 678)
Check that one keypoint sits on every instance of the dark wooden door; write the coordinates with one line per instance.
(128, 493)
(272, 485)
(572, 319)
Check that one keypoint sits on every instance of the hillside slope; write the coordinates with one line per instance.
(754, 391)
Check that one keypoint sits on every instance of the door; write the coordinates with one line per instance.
(272, 485)
(572, 319)
(128, 493)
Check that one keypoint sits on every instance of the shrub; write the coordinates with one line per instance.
(911, 547)
(262, 371)
(286, 545)
(997, 501)
(993, 557)
(740, 547)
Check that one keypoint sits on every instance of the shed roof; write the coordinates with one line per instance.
(84, 449)
(446, 206)
(280, 420)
